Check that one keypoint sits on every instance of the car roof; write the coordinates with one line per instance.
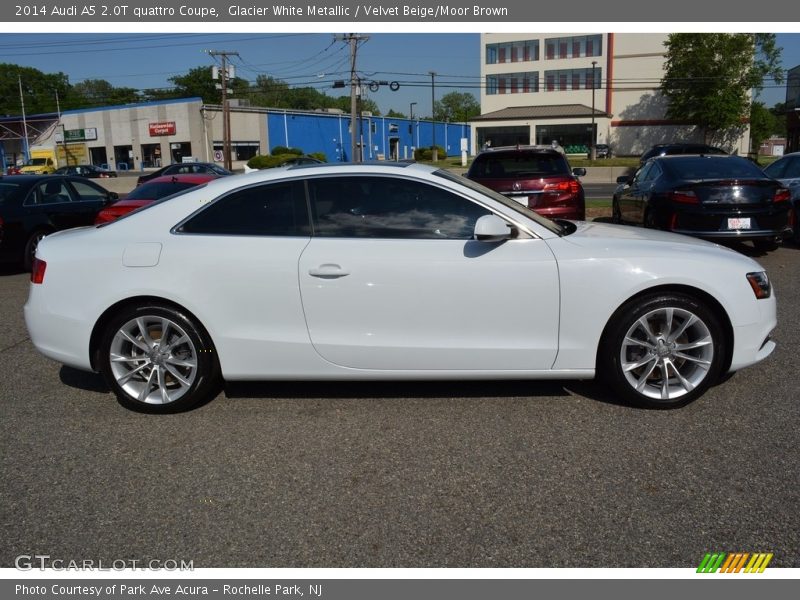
(182, 178)
(521, 148)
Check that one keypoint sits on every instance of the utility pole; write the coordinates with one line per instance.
(355, 89)
(434, 150)
(24, 119)
(593, 140)
(226, 109)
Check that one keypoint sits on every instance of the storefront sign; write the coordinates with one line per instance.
(162, 128)
(76, 135)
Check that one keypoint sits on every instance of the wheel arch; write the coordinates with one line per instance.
(108, 314)
(687, 290)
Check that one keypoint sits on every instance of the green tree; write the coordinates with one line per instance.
(99, 92)
(779, 112)
(395, 114)
(456, 106)
(38, 90)
(709, 77)
(198, 83)
(762, 124)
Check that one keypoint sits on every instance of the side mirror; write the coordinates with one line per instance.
(624, 179)
(112, 197)
(579, 172)
(491, 228)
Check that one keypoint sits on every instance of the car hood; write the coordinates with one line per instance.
(638, 240)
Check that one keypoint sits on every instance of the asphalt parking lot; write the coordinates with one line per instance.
(463, 474)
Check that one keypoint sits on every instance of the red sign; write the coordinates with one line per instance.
(162, 128)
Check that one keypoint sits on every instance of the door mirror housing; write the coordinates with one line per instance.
(112, 197)
(579, 172)
(491, 228)
(624, 179)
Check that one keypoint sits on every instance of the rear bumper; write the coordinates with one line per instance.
(741, 234)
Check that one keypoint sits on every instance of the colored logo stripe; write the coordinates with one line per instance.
(734, 562)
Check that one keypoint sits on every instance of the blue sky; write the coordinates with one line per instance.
(142, 60)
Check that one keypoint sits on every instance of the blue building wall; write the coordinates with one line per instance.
(320, 132)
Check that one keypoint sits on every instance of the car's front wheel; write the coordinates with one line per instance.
(662, 351)
(157, 359)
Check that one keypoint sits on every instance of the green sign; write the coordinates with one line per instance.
(80, 135)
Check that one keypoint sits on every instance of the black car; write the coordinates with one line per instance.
(715, 197)
(602, 151)
(90, 171)
(680, 148)
(32, 206)
(197, 168)
(787, 171)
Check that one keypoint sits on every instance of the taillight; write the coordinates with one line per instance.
(684, 197)
(569, 185)
(673, 222)
(792, 220)
(782, 195)
(37, 270)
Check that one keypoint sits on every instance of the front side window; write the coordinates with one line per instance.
(50, 192)
(388, 207)
(277, 209)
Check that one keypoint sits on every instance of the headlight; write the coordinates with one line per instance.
(760, 284)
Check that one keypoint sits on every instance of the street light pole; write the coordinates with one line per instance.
(411, 111)
(593, 139)
(434, 151)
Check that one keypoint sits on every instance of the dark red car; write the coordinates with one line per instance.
(153, 190)
(538, 177)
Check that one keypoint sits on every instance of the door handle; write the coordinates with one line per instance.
(328, 271)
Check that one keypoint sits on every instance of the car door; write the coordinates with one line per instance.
(88, 199)
(50, 204)
(629, 203)
(392, 280)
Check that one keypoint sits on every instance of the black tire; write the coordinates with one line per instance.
(616, 213)
(173, 375)
(636, 372)
(30, 248)
(766, 245)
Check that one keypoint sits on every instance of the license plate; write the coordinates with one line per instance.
(739, 223)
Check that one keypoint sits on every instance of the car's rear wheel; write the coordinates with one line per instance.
(30, 248)
(662, 351)
(157, 359)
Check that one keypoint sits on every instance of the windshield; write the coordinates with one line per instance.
(515, 164)
(711, 167)
(152, 204)
(155, 191)
(36, 162)
(507, 202)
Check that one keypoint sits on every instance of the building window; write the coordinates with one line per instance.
(579, 79)
(512, 83)
(240, 150)
(522, 51)
(574, 47)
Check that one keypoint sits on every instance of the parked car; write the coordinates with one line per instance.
(33, 206)
(90, 171)
(387, 271)
(149, 192)
(602, 151)
(192, 168)
(538, 177)
(679, 148)
(716, 197)
(13, 170)
(787, 171)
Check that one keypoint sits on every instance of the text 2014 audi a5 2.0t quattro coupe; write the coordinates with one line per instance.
(389, 271)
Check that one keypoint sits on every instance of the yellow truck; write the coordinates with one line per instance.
(41, 162)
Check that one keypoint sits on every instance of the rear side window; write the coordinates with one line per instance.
(389, 207)
(87, 192)
(515, 165)
(277, 209)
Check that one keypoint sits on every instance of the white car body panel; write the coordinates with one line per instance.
(533, 307)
